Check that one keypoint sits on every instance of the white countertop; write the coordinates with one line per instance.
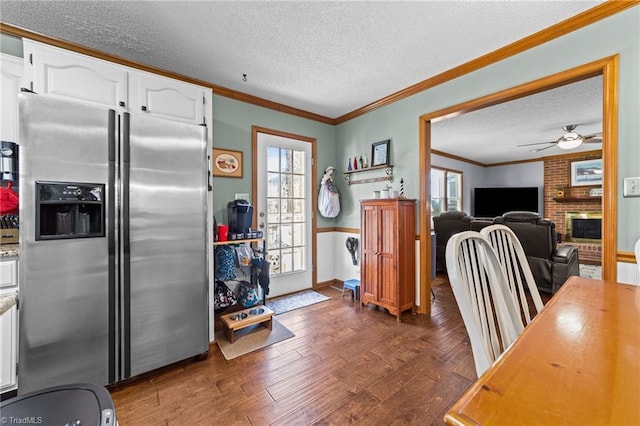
(7, 250)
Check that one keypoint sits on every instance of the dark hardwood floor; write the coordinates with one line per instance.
(345, 365)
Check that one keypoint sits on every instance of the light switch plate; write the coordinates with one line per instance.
(631, 187)
(242, 197)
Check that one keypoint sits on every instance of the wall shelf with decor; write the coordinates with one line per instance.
(387, 169)
(578, 199)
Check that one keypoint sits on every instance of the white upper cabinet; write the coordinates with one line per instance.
(11, 81)
(65, 74)
(168, 98)
(58, 72)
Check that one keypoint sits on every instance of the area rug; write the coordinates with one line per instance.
(251, 339)
(284, 304)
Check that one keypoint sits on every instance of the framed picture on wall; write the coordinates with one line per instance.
(586, 172)
(380, 153)
(226, 163)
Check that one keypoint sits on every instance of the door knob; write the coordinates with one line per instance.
(261, 225)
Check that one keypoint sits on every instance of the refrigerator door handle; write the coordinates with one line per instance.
(126, 245)
(111, 242)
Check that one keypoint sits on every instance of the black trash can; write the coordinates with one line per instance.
(81, 403)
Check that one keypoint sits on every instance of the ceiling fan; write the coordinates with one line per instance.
(569, 140)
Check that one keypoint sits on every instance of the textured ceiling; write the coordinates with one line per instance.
(329, 58)
(491, 135)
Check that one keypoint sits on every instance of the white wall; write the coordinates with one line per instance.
(514, 175)
(343, 268)
(628, 273)
(523, 174)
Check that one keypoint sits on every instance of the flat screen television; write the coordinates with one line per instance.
(491, 202)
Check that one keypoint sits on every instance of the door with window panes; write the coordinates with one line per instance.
(285, 210)
(446, 191)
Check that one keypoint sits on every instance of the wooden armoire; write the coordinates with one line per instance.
(387, 271)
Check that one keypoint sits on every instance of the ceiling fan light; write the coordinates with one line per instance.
(570, 140)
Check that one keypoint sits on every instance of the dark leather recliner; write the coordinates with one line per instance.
(445, 225)
(550, 265)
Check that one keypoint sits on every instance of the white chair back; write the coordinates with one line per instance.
(638, 257)
(481, 291)
(515, 267)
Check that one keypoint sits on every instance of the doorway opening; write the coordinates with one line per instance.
(608, 69)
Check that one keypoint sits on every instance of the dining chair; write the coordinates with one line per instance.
(516, 268)
(637, 250)
(481, 292)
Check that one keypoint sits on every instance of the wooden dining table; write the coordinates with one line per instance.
(578, 363)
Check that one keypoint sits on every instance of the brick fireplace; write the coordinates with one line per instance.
(576, 199)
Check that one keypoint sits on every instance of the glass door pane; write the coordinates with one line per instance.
(285, 209)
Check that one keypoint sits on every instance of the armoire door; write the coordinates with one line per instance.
(387, 255)
(369, 237)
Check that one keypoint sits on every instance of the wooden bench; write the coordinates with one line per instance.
(238, 320)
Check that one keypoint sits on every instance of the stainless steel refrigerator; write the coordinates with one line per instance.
(113, 250)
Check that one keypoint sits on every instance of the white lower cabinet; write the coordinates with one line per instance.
(8, 349)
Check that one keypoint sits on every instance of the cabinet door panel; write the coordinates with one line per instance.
(167, 98)
(8, 333)
(66, 74)
(388, 286)
(8, 273)
(389, 228)
(11, 80)
(369, 264)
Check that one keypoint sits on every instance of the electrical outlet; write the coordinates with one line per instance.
(242, 197)
(631, 187)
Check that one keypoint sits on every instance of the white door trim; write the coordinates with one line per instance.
(313, 215)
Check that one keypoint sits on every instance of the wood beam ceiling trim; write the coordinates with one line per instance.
(458, 158)
(549, 157)
(250, 99)
(588, 17)
(509, 163)
(553, 81)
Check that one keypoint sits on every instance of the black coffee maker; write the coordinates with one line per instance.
(9, 162)
(239, 216)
